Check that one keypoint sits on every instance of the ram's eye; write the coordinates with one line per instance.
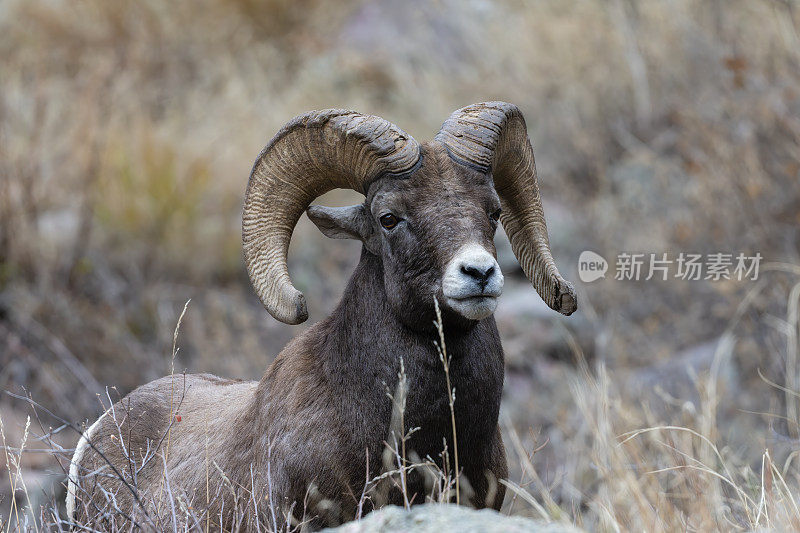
(389, 221)
(496, 215)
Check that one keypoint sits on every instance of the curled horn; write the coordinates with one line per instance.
(311, 155)
(492, 137)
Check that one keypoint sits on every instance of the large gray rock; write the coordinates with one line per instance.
(677, 377)
(433, 518)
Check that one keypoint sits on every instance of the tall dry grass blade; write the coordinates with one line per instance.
(13, 506)
(792, 378)
(451, 391)
(525, 495)
(171, 396)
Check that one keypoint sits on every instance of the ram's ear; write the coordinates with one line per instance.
(349, 222)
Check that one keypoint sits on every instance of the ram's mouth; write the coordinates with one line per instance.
(473, 307)
(474, 297)
(477, 298)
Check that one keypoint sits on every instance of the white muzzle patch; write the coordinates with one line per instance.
(472, 282)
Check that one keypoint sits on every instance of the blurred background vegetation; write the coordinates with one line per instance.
(128, 129)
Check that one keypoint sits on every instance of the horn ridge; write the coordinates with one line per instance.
(493, 137)
(312, 154)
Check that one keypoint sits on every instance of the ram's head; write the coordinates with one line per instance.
(429, 215)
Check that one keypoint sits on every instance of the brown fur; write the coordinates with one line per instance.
(321, 410)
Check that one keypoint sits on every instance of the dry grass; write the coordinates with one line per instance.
(656, 478)
(127, 134)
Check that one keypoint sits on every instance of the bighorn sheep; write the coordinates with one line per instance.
(317, 422)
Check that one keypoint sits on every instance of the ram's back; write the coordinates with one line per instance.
(195, 425)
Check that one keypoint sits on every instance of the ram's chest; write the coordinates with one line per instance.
(477, 384)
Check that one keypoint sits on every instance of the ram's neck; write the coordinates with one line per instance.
(363, 342)
(364, 332)
(338, 372)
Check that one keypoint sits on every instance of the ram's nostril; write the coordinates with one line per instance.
(471, 271)
(477, 273)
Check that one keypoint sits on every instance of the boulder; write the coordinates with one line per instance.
(441, 518)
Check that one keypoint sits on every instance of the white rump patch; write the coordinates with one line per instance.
(74, 468)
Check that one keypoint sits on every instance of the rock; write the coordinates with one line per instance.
(677, 376)
(441, 518)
